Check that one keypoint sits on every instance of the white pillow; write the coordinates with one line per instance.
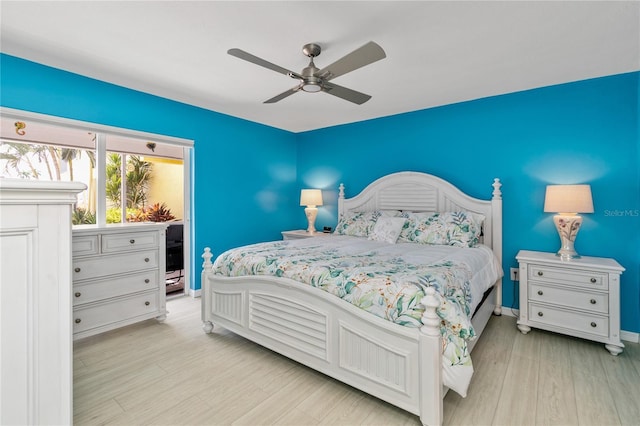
(387, 229)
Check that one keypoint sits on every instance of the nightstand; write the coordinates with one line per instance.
(580, 297)
(301, 233)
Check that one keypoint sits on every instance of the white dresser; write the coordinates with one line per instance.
(579, 298)
(36, 357)
(118, 276)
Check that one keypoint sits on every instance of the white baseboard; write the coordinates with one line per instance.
(194, 293)
(627, 336)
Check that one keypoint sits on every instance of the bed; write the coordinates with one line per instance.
(384, 357)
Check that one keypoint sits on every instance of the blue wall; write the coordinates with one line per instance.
(584, 132)
(244, 174)
(247, 176)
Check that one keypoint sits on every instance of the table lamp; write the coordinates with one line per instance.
(567, 201)
(311, 198)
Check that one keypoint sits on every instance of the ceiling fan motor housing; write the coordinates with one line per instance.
(310, 82)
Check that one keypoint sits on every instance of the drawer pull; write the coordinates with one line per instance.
(147, 304)
(132, 241)
(146, 281)
(593, 280)
(540, 292)
(593, 324)
(540, 273)
(146, 259)
(78, 294)
(540, 314)
(593, 301)
(77, 269)
(78, 320)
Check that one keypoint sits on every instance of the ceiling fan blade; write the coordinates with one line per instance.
(239, 53)
(282, 95)
(365, 55)
(346, 94)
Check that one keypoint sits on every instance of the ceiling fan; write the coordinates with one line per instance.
(313, 79)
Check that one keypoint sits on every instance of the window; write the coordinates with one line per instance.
(141, 179)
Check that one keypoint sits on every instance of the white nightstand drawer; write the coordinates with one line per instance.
(579, 321)
(85, 245)
(568, 276)
(570, 297)
(113, 311)
(94, 267)
(129, 241)
(112, 287)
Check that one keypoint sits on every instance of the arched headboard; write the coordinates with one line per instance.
(419, 192)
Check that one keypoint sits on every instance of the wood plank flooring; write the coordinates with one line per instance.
(172, 373)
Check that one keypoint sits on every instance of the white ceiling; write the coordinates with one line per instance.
(438, 52)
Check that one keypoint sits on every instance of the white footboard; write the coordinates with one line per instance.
(333, 337)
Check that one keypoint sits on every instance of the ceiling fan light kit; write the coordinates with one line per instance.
(313, 80)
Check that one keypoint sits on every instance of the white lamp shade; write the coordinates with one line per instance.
(311, 197)
(568, 199)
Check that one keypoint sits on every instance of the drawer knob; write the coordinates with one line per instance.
(78, 294)
(593, 324)
(540, 292)
(593, 301)
(146, 259)
(147, 304)
(132, 241)
(77, 269)
(593, 280)
(540, 314)
(540, 273)
(146, 281)
(78, 320)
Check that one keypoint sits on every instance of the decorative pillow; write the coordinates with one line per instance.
(458, 229)
(357, 224)
(387, 229)
(409, 226)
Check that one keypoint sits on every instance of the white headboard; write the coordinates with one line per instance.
(415, 191)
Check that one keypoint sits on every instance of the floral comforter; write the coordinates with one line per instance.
(387, 280)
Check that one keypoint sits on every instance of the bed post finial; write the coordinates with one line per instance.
(497, 194)
(341, 193)
(431, 404)
(207, 265)
(430, 319)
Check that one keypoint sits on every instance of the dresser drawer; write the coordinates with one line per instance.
(95, 267)
(594, 302)
(129, 241)
(578, 321)
(97, 290)
(85, 245)
(568, 276)
(113, 311)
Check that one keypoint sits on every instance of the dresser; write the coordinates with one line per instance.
(118, 276)
(580, 297)
(36, 361)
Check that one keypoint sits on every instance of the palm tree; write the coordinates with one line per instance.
(68, 155)
(138, 179)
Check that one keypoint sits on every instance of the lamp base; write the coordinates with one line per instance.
(311, 213)
(568, 227)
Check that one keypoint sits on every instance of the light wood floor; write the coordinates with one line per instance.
(174, 374)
